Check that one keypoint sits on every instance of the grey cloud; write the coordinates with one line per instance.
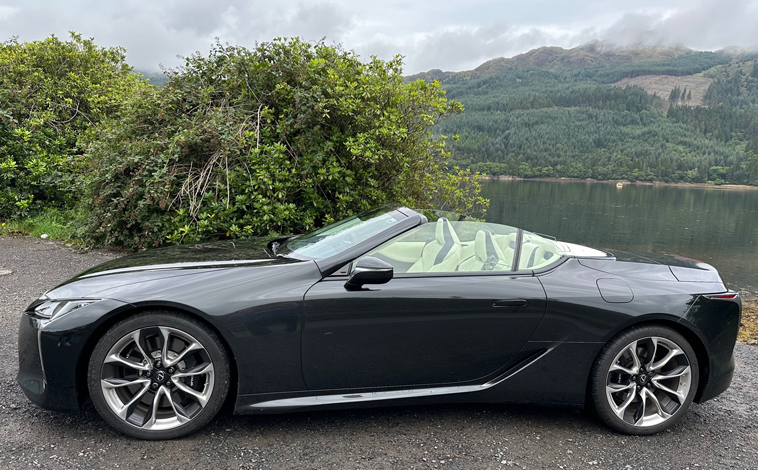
(197, 16)
(430, 34)
(319, 20)
(470, 47)
(709, 24)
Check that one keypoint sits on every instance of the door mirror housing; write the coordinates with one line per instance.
(369, 270)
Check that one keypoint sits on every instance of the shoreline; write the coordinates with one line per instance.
(623, 182)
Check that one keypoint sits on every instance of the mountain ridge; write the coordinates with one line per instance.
(555, 58)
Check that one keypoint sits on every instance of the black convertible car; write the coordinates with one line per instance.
(393, 306)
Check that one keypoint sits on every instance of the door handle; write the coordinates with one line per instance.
(509, 303)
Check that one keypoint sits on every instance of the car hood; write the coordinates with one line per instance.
(202, 255)
(172, 261)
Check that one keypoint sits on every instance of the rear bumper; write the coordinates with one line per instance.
(53, 355)
(717, 323)
(720, 377)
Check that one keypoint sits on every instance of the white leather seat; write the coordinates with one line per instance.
(441, 254)
(507, 245)
(487, 255)
(543, 256)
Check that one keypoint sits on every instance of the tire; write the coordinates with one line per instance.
(646, 395)
(173, 388)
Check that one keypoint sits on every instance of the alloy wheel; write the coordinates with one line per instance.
(648, 381)
(157, 378)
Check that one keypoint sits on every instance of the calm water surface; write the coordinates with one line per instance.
(718, 226)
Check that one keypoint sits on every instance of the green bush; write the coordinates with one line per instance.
(51, 93)
(282, 138)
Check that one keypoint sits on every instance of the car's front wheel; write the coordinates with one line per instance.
(644, 380)
(158, 375)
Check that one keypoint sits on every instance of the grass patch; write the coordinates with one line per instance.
(749, 327)
(57, 224)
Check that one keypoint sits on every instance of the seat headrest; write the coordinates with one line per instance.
(485, 247)
(445, 232)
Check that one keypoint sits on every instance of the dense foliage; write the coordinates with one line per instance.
(51, 94)
(539, 123)
(685, 64)
(281, 138)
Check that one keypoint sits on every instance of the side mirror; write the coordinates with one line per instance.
(369, 270)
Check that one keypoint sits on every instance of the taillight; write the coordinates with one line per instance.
(727, 296)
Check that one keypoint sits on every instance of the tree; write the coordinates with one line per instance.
(754, 73)
(51, 93)
(282, 138)
(675, 95)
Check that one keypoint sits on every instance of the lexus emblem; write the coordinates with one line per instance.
(160, 376)
(643, 377)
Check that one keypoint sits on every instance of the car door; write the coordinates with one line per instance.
(418, 329)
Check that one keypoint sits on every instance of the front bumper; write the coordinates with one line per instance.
(53, 355)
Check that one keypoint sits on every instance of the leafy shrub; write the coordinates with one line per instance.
(51, 92)
(278, 139)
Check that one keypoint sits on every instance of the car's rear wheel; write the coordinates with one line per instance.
(644, 380)
(158, 375)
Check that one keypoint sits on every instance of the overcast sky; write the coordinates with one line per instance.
(444, 34)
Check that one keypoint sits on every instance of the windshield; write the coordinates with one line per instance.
(339, 236)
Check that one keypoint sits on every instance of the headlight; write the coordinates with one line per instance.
(55, 308)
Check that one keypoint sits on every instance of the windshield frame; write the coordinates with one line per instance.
(407, 219)
(286, 248)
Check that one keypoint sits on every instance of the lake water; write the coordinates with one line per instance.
(718, 226)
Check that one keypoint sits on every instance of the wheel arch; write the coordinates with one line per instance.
(130, 310)
(690, 334)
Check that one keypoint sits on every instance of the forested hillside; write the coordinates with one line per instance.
(563, 113)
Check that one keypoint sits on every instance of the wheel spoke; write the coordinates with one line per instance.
(678, 372)
(197, 370)
(190, 347)
(181, 415)
(672, 353)
(639, 413)
(117, 383)
(201, 397)
(116, 358)
(621, 409)
(164, 350)
(128, 408)
(632, 349)
(679, 396)
(635, 358)
(152, 415)
(651, 355)
(616, 367)
(138, 340)
(656, 404)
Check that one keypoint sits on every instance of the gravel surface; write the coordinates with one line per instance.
(722, 433)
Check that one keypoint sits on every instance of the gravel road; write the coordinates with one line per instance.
(720, 434)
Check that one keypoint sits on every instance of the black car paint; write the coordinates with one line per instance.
(285, 319)
(416, 331)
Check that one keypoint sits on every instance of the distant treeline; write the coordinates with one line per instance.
(538, 123)
(686, 64)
